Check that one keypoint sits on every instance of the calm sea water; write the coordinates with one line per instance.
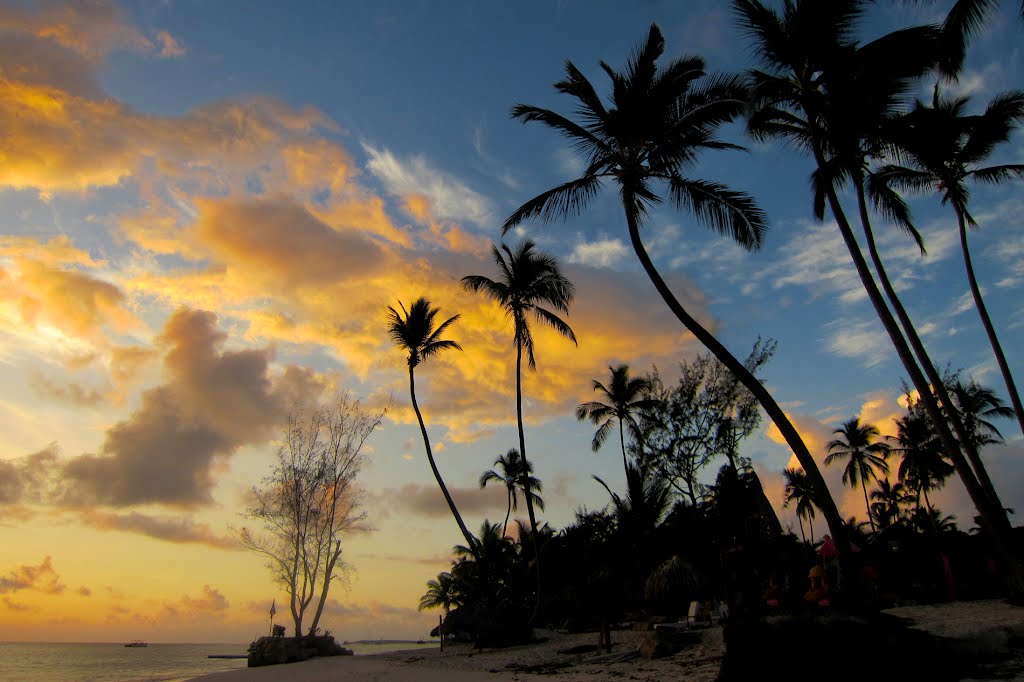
(42, 662)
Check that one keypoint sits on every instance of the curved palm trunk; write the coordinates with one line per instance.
(823, 498)
(470, 540)
(986, 321)
(965, 441)
(810, 527)
(867, 505)
(508, 513)
(800, 520)
(526, 467)
(998, 532)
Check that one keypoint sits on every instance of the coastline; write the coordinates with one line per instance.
(982, 627)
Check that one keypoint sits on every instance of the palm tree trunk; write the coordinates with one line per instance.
(867, 505)
(986, 321)
(800, 520)
(823, 498)
(998, 532)
(526, 467)
(470, 540)
(937, 385)
(508, 513)
(622, 442)
(810, 527)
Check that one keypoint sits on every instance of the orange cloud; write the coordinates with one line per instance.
(178, 530)
(41, 578)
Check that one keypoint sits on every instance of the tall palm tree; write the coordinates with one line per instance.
(945, 148)
(414, 331)
(659, 121)
(865, 456)
(816, 93)
(528, 281)
(798, 489)
(512, 472)
(626, 397)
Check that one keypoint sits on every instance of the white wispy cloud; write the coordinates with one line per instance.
(450, 197)
(605, 253)
(861, 340)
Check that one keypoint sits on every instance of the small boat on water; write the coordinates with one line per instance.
(137, 643)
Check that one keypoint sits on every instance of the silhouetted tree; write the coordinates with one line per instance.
(512, 472)
(798, 490)
(626, 397)
(528, 281)
(703, 416)
(865, 456)
(414, 331)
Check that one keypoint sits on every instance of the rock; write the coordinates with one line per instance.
(277, 650)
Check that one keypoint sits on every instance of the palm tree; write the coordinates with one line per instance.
(825, 94)
(659, 122)
(889, 501)
(512, 472)
(976, 406)
(626, 397)
(865, 456)
(529, 280)
(922, 467)
(945, 148)
(443, 593)
(413, 330)
(798, 489)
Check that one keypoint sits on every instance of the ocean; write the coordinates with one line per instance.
(62, 662)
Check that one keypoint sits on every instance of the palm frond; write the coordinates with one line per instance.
(564, 201)
(726, 211)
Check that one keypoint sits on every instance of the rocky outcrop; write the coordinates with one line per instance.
(275, 650)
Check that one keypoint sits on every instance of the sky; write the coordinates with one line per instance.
(207, 208)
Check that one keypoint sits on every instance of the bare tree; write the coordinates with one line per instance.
(309, 502)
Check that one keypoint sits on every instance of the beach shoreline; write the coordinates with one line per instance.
(992, 623)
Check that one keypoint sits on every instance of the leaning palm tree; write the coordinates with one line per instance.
(659, 121)
(626, 397)
(414, 331)
(865, 456)
(529, 280)
(945, 148)
(816, 92)
(512, 472)
(798, 490)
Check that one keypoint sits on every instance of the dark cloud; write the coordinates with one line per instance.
(214, 401)
(26, 480)
(41, 578)
(427, 500)
(172, 529)
(75, 394)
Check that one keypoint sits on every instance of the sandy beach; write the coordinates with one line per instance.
(986, 626)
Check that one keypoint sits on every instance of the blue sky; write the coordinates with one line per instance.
(208, 206)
